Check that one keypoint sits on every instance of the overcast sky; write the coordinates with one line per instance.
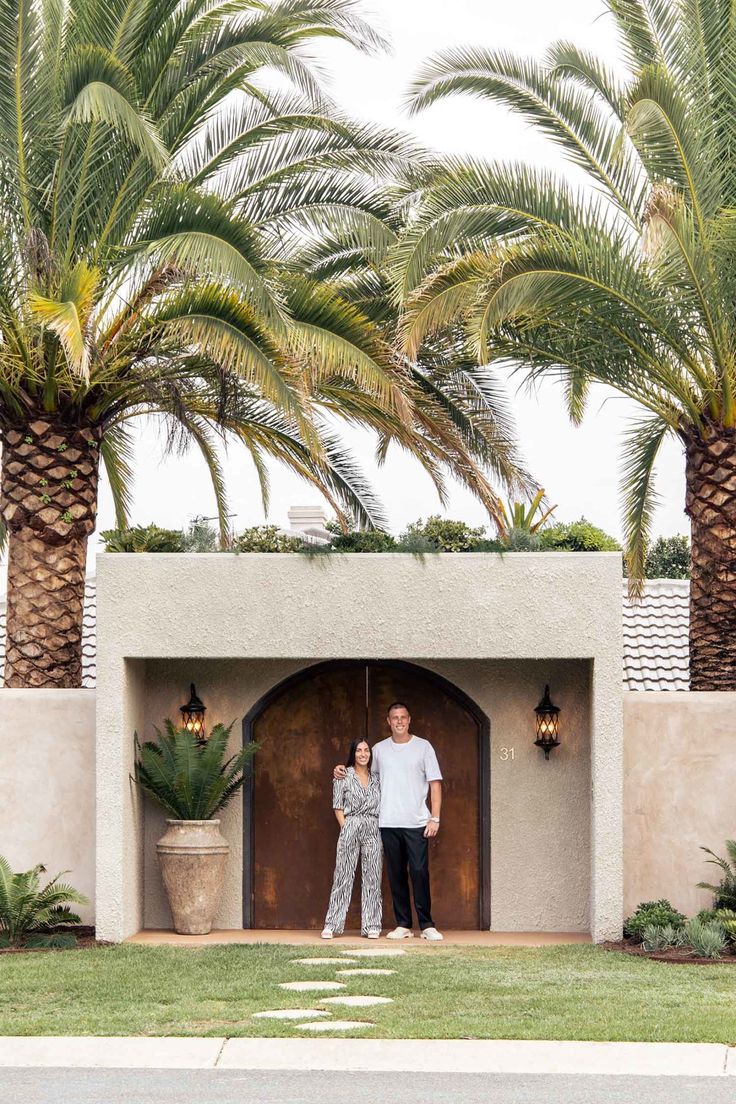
(579, 468)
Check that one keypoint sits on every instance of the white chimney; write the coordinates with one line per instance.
(309, 521)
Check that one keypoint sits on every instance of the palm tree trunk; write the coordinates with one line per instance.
(710, 503)
(48, 502)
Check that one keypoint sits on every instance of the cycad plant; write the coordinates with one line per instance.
(187, 776)
(724, 892)
(164, 170)
(29, 914)
(629, 282)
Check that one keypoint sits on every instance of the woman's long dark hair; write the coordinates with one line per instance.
(350, 761)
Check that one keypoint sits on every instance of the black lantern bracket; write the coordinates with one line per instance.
(548, 724)
(192, 714)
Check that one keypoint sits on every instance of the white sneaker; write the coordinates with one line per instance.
(327, 933)
(432, 934)
(401, 933)
(374, 933)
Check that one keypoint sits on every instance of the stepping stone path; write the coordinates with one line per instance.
(311, 986)
(323, 1024)
(335, 1025)
(357, 1002)
(290, 1014)
(321, 961)
(367, 972)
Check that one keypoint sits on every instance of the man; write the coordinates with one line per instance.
(406, 766)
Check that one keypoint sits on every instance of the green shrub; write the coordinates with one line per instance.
(724, 892)
(668, 558)
(487, 545)
(659, 914)
(188, 775)
(577, 536)
(266, 538)
(29, 914)
(417, 544)
(361, 540)
(707, 916)
(707, 940)
(443, 534)
(143, 538)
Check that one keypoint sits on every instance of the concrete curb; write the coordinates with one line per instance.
(385, 1055)
(113, 1052)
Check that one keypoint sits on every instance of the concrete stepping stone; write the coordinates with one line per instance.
(365, 972)
(290, 1014)
(390, 952)
(357, 1002)
(321, 961)
(335, 1025)
(311, 986)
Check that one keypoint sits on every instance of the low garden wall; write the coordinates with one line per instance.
(679, 771)
(47, 784)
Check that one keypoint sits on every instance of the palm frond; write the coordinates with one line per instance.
(639, 497)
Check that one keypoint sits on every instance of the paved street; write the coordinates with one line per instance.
(145, 1086)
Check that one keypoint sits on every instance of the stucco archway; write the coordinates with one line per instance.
(304, 724)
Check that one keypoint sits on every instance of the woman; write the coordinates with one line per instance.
(355, 799)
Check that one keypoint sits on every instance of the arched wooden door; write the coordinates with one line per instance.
(304, 727)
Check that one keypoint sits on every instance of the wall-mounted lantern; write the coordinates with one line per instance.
(192, 714)
(548, 724)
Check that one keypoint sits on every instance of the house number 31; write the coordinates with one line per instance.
(507, 753)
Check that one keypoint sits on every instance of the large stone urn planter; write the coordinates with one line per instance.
(192, 855)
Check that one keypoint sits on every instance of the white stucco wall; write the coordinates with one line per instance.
(469, 608)
(47, 785)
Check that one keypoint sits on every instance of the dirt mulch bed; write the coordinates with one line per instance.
(85, 939)
(682, 955)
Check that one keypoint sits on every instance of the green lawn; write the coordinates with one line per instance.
(573, 992)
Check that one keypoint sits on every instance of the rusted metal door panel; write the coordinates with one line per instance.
(303, 732)
(455, 855)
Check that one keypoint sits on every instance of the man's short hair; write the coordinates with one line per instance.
(398, 705)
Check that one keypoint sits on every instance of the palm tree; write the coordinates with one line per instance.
(163, 165)
(629, 281)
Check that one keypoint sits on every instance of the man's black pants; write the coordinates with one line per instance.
(407, 848)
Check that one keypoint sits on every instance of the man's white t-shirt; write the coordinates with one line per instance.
(405, 771)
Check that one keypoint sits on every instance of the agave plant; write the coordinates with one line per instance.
(707, 940)
(629, 283)
(524, 519)
(29, 914)
(189, 777)
(726, 917)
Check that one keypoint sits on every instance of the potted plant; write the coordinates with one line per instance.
(190, 779)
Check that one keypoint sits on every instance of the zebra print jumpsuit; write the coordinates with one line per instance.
(358, 836)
